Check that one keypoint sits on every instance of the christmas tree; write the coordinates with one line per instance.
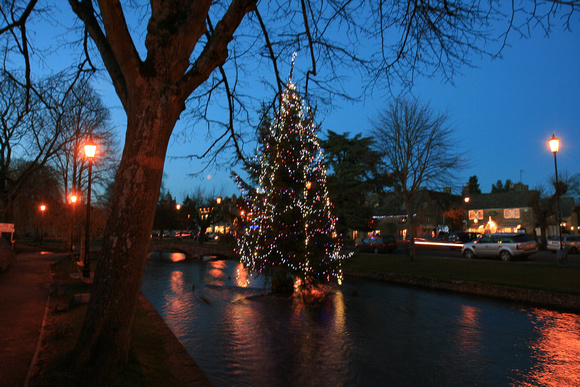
(291, 232)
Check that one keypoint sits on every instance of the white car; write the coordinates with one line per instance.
(569, 242)
(505, 246)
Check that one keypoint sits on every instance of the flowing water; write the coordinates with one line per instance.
(367, 333)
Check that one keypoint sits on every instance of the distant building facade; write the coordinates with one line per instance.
(502, 212)
(517, 210)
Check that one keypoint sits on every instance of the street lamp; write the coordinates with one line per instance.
(178, 208)
(90, 150)
(554, 147)
(73, 201)
(42, 209)
(466, 200)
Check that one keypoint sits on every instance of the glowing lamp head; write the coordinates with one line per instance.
(90, 149)
(73, 199)
(554, 144)
(466, 199)
(42, 208)
(218, 200)
(178, 206)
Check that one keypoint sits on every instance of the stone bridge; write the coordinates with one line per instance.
(192, 249)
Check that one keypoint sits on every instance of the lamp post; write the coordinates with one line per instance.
(554, 147)
(90, 150)
(42, 209)
(466, 200)
(73, 201)
(178, 208)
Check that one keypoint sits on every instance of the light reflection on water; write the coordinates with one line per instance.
(557, 349)
(387, 335)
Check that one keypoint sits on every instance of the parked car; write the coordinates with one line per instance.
(505, 246)
(377, 244)
(569, 242)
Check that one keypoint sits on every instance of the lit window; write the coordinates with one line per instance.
(475, 214)
(511, 213)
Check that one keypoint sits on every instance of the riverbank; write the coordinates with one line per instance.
(157, 358)
(547, 285)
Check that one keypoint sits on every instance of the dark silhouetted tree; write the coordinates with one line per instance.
(419, 150)
(473, 186)
(353, 167)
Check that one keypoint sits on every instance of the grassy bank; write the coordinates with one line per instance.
(552, 278)
(148, 364)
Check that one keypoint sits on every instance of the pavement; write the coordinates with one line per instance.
(24, 294)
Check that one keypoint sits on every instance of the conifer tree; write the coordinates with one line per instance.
(291, 231)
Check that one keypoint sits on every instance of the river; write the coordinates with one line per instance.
(367, 333)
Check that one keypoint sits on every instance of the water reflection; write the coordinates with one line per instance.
(385, 335)
(556, 351)
(469, 333)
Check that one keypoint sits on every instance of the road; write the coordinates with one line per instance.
(539, 257)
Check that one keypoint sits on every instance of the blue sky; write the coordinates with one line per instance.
(504, 111)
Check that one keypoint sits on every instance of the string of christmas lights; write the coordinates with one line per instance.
(290, 221)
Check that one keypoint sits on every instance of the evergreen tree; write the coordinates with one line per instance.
(473, 186)
(291, 230)
(353, 173)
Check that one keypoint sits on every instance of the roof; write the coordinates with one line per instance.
(512, 199)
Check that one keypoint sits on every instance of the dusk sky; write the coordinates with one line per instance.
(504, 112)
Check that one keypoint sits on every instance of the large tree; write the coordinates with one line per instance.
(155, 70)
(420, 151)
(35, 130)
(353, 174)
(291, 230)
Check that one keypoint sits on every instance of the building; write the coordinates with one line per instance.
(511, 211)
(518, 210)
(569, 211)
(430, 209)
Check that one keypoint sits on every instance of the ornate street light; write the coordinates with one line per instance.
(90, 150)
(554, 147)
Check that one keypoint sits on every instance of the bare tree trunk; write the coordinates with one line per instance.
(104, 342)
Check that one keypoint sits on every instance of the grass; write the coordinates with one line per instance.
(148, 364)
(553, 278)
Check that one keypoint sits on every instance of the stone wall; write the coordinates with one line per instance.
(536, 297)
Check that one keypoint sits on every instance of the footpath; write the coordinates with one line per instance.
(25, 290)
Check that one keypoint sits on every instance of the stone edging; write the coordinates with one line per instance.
(538, 297)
